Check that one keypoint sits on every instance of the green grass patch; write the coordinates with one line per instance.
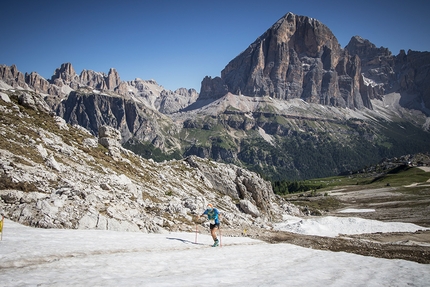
(402, 176)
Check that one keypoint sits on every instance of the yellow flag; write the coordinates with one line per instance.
(1, 224)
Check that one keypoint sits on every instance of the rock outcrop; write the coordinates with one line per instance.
(110, 138)
(12, 77)
(33, 101)
(93, 110)
(237, 183)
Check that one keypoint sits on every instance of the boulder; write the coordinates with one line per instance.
(33, 101)
(4, 97)
(249, 208)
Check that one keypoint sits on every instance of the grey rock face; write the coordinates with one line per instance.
(382, 73)
(93, 110)
(65, 75)
(4, 97)
(37, 82)
(237, 183)
(65, 80)
(13, 77)
(413, 72)
(377, 67)
(170, 102)
(33, 101)
(298, 57)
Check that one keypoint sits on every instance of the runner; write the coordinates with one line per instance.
(213, 217)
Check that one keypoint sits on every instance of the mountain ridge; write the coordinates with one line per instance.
(300, 57)
(294, 104)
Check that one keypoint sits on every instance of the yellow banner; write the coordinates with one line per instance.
(1, 225)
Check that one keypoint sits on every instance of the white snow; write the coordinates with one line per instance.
(354, 210)
(332, 226)
(53, 257)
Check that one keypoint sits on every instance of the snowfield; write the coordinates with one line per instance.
(332, 226)
(53, 257)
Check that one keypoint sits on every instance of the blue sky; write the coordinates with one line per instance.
(177, 43)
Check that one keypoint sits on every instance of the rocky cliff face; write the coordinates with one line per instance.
(383, 73)
(92, 110)
(12, 77)
(66, 80)
(298, 57)
(413, 72)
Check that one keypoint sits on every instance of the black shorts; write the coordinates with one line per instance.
(212, 226)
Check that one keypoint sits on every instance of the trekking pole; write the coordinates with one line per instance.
(1, 227)
(220, 238)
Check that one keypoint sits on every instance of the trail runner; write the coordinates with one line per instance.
(213, 217)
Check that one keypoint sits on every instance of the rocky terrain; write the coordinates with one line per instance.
(54, 175)
(293, 105)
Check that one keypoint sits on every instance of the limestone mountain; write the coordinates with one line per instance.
(66, 80)
(293, 105)
(299, 57)
(383, 73)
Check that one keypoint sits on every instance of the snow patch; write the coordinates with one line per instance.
(60, 257)
(369, 82)
(331, 226)
(354, 210)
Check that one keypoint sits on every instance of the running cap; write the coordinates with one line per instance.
(210, 205)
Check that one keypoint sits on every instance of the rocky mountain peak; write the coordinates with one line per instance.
(304, 34)
(65, 73)
(365, 49)
(12, 77)
(112, 80)
(37, 82)
(297, 57)
(376, 67)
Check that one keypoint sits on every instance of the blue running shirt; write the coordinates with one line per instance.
(212, 214)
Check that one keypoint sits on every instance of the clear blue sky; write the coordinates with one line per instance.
(177, 43)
